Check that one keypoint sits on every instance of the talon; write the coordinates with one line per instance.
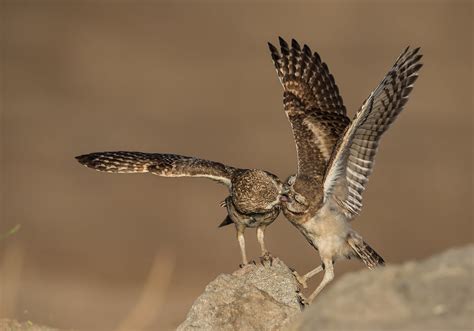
(267, 257)
(302, 300)
(253, 261)
(243, 265)
(299, 279)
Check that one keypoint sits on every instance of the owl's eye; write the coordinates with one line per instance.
(300, 199)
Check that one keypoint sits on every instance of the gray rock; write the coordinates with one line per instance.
(434, 294)
(252, 298)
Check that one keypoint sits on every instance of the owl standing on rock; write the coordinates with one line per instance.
(335, 158)
(254, 195)
(335, 155)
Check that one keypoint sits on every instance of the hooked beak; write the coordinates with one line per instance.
(284, 198)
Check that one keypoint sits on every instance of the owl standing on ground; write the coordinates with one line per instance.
(335, 156)
(254, 195)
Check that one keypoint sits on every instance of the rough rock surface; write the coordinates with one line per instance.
(255, 297)
(433, 294)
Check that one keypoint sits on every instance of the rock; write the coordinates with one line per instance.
(12, 325)
(434, 294)
(255, 297)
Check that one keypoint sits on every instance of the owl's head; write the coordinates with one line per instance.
(294, 202)
(256, 191)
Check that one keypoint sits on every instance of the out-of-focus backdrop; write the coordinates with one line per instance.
(102, 251)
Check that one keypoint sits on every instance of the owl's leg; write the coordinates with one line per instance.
(302, 279)
(266, 256)
(240, 237)
(328, 277)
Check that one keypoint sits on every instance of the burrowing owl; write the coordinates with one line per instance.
(254, 199)
(335, 155)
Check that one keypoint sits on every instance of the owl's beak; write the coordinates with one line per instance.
(284, 198)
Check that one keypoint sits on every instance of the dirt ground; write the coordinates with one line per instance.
(101, 252)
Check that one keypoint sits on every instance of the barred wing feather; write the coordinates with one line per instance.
(166, 165)
(353, 158)
(312, 104)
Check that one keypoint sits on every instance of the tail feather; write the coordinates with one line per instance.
(366, 253)
(226, 221)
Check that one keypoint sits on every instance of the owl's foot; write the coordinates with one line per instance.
(299, 279)
(266, 257)
(243, 265)
(302, 300)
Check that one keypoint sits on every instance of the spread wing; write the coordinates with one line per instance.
(312, 104)
(166, 165)
(353, 158)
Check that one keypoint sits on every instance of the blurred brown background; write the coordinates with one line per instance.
(197, 79)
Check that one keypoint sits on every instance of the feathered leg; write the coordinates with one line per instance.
(328, 277)
(266, 256)
(241, 239)
(302, 279)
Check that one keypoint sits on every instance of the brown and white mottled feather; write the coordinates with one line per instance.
(312, 104)
(353, 158)
(166, 165)
(254, 194)
(364, 252)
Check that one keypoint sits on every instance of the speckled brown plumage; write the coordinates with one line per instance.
(166, 165)
(335, 155)
(254, 195)
(312, 104)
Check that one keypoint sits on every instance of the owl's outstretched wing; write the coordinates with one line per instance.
(166, 165)
(353, 159)
(312, 104)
